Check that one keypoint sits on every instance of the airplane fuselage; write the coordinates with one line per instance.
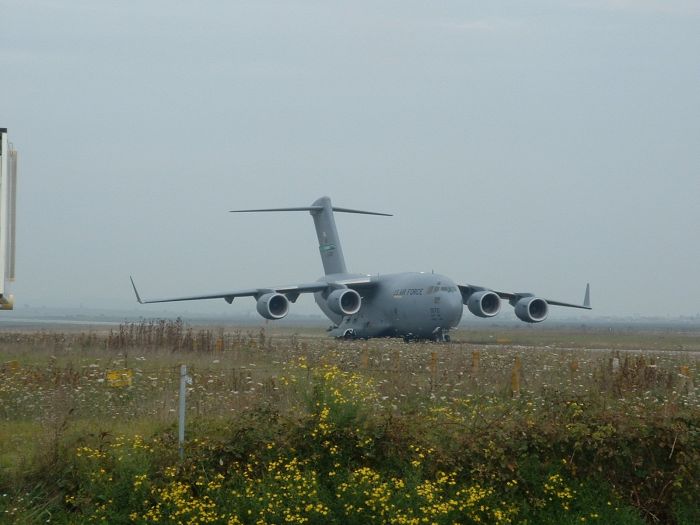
(409, 305)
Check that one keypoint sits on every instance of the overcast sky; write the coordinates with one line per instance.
(524, 146)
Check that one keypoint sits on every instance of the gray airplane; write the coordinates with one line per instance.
(409, 305)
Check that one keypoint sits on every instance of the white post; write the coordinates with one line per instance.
(181, 417)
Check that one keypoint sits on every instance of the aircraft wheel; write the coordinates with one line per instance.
(349, 335)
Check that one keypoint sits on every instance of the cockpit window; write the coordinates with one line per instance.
(433, 289)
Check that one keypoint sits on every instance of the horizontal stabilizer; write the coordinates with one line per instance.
(314, 208)
(323, 214)
(305, 208)
(348, 210)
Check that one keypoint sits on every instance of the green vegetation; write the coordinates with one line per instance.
(293, 429)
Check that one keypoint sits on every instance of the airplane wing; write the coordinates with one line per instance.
(292, 292)
(513, 297)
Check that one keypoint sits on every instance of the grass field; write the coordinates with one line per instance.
(507, 426)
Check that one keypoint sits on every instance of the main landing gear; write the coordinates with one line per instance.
(438, 336)
(441, 336)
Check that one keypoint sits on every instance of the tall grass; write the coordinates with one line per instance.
(286, 428)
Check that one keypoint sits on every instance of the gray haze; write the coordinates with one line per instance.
(525, 146)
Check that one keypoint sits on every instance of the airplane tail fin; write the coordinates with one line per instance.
(328, 240)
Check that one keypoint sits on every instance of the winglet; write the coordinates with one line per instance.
(587, 297)
(138, 298)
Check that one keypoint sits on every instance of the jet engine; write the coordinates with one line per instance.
(344, 302)
(273, 306)
(531, 309)
(484, 304)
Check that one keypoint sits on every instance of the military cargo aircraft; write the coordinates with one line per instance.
(410, 305)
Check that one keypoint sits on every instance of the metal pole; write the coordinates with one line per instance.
(181, 416)
(4, 176)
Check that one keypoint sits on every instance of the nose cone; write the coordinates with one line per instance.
(452, 308)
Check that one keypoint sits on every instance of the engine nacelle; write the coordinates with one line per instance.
(273, 306)
(531, 309)
(344, 302)
(484, 304)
